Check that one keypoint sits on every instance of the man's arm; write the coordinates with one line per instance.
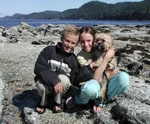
(43, 70)
(84, 74)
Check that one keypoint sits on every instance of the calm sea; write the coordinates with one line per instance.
(34, 22)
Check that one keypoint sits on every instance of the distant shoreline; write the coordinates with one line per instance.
(37, 22)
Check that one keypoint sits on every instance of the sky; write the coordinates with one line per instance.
(10, 7)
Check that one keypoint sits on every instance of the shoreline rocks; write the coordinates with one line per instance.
(20, 46)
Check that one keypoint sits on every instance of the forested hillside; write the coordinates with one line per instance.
(96, 10)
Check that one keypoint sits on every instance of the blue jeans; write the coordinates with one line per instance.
(91, 89)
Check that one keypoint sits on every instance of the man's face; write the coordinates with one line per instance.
(69, 42)
(86, 41)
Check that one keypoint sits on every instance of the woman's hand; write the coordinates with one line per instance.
(110, 53)
(92, 65)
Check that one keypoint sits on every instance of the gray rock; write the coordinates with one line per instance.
(30, 116)
(1, 94)
(18, 93)
(11, 32)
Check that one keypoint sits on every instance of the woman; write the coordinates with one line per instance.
(91, 89)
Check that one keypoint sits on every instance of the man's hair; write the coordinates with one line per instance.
(70, 29)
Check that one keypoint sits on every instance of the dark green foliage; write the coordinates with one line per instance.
(44, 15)
(96, 10)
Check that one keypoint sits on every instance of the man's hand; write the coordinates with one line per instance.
(58, 88)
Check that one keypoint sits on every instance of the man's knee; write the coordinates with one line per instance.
(40, 87)
(64, 80)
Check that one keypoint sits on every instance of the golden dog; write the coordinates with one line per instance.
(103, 42)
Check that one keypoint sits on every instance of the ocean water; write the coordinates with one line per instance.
(35, 22)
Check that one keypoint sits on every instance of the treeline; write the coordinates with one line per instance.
(96, 10)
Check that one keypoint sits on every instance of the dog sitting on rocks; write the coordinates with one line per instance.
(102, 44)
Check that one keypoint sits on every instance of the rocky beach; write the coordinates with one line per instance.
(20, 46)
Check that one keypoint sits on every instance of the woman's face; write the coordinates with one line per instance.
(86, 41)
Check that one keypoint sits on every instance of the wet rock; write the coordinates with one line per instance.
(125, 30)
(13, 31)
(30, 117)
(40, 42)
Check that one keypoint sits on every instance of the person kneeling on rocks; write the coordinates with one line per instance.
(55, 69)
(91, 90)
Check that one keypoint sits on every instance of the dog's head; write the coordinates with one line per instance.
(97, 52)
(104, 40)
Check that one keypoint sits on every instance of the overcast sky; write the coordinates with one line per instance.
(10, 7)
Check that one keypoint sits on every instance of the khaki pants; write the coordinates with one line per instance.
(45, 91)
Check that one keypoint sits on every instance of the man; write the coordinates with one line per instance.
(55, 69)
